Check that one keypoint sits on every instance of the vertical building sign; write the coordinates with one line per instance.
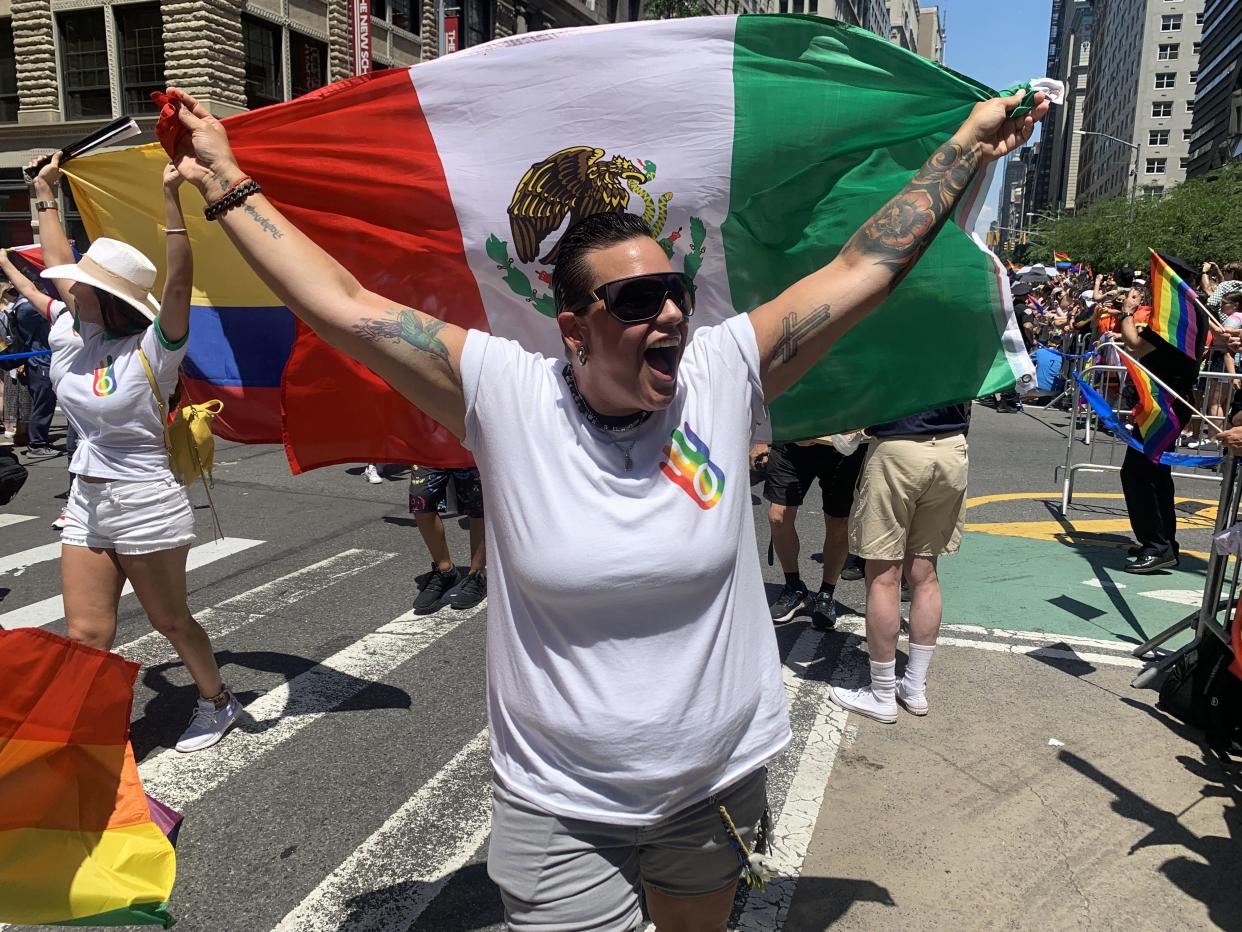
(450, 33)
(361, 12)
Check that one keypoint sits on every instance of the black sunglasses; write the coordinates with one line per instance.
(641, 297)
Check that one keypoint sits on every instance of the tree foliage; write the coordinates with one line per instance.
(675, 9)
(1193, 221)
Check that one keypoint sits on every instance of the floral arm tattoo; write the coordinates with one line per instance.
(416, 329)
(903, 229)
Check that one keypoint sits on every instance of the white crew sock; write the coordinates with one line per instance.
(884, 681)
(915, 678)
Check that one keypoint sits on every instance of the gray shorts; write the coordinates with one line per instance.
(567, 875)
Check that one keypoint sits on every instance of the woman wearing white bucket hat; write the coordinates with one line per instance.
(127, 516)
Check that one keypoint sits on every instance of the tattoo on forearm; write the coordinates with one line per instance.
(795, 329)
(416, 329)
(267, 225)
(903, 229)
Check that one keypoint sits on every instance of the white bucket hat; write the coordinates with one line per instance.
(116, 268)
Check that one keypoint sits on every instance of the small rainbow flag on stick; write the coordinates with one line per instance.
(1062, 260)
(1175, 313)
(79, 842)
(1158, 416)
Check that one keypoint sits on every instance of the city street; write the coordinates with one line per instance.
(1041, 792)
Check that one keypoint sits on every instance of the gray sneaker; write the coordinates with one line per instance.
(208, 724)
(41, 453)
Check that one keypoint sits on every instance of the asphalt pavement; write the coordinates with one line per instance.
(354, 794)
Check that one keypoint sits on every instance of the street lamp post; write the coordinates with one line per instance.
(1133, 176)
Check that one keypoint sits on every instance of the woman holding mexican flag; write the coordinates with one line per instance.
(635, 695)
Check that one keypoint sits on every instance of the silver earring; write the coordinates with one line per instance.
(582, 354)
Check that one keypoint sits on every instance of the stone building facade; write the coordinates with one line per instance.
(68, 67)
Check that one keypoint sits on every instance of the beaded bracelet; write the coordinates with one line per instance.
(233, 197)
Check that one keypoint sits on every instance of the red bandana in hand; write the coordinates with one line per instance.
(168, 128)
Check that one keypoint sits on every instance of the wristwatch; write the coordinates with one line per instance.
(1126, 314)
(46, 205)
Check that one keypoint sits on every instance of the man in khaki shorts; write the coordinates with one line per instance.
(908, 511)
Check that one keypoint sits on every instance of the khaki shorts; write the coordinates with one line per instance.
(911, 498)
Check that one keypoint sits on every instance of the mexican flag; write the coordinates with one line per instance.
(754, 147)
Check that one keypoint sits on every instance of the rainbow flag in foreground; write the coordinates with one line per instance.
(1108, 417)
(1158, 415)
(1175, 314)
(446, 187)
(78, 841)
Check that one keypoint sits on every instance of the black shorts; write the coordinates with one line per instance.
(792, 469)
(429, 490)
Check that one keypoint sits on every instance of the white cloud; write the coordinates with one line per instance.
(986, 215)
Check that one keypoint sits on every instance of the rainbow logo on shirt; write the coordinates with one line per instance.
(690, 466)
(105, 380)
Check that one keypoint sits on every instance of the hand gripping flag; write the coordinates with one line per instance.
(753, 146)
(78, 841)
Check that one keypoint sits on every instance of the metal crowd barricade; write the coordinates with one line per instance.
(1086, 434)
(1220, 588)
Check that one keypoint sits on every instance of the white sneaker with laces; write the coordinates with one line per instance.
(914, 703)
(864, 702)
(372, 474)
(59, 523)
(208, 724)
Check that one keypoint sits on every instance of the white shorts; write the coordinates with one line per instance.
(130, 517)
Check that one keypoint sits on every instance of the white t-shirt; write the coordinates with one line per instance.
(105, 394)
(632, 665)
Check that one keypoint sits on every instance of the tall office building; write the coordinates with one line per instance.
(1141, 90)
(931, 33)
(1216, 136)
(904, 17)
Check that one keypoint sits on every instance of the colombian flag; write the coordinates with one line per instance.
(78, 841)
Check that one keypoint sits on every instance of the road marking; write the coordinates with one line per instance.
(858, 626)
(1191, 597)
(240, 610)
(6, 519)
(40, 614)
(178, 780)
(854, 623)
(406, 862)
(766, 910)
(18, 563)
(1103, 584)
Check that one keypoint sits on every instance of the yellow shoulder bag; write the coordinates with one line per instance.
(188, 438)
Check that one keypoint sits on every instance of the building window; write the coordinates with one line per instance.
(1171, 22)
(8, 73)
(140, 34)
(1197, 46)
(1199, 18)
(1161, 109)
(1187, 135)
(308, 64)
(264, 82)
(1183, 163)
(1157, 137)
(1156, 166)
(404, 14)
(477, 22)
(84, 57)
(1166, 80)
(1190, 106)
(15, 208)
(1167, 51)
(1194, 77)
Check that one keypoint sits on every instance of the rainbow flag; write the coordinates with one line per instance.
(1175, 314)
(447, 185)
(1157, 415)
(1062, 261)
(78, 842)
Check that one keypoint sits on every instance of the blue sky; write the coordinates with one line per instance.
(997, 42)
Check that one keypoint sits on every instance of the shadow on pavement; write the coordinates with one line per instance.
(166, 714)
(1207, 867)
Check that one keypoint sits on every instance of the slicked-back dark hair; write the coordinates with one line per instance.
(572, 276)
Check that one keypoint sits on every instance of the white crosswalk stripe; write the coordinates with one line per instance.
(7, 519)
(17, 563)
(404, 865)
(43, 613)
(240, 610)
(180, 779)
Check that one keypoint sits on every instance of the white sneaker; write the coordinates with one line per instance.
(208, 724)
(914, 703)
(371, 474)
(864, 702)
(59, 523)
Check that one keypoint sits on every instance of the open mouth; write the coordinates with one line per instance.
(662, 356)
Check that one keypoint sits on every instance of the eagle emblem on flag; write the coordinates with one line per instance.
(573, 183)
